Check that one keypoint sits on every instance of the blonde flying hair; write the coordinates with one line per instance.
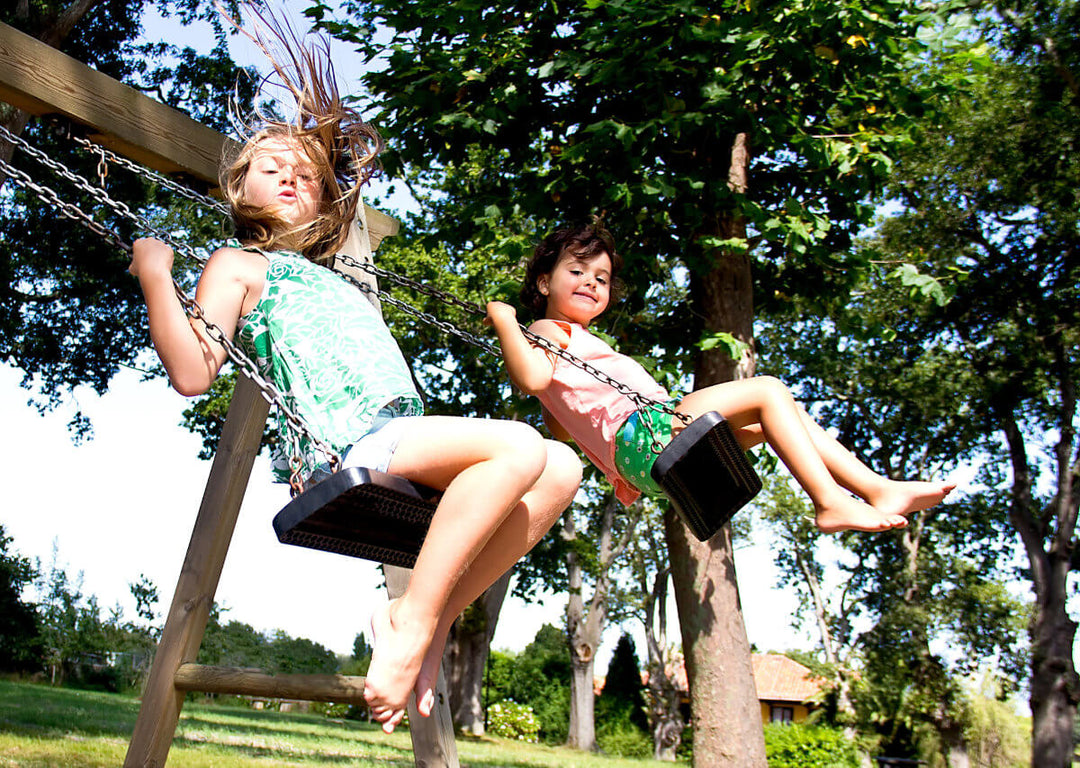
(342, 147)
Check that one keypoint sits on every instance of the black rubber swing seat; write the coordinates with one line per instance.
(361, 513)
(706, 474)
(372, 515)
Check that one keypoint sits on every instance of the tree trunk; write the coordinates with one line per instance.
(667, 723)
(728, 731)
(723, 699)
(845, 708)
(1055, 689)
(665, 699)
(584, 628)
(465, 658)
(583, 632)
(1048, 537)
(582, 730)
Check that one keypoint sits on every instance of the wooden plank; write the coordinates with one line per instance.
(39, 79)
(379, 225)
(345, 689)
(194, 595)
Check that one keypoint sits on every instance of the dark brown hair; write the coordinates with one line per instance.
(583, 240)
(340, 145)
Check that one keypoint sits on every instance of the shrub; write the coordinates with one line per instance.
(333, 710)
(624, 739)
(792, 745)
(511, 720)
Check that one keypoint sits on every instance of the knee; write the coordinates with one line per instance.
(773, 389)
(522, 447)
(563, 471)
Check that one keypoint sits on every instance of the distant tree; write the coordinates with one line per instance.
(360, 660)
(237, 644)
(234, 644)
(133, 643)
(299, 656)
(361, 648)
(538, 676)
(146, 597)
(998, 221)
(623, 698)
(19, 627)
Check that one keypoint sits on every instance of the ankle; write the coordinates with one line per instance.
(407, 614)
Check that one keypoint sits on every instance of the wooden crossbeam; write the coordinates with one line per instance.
(41, 80)
(344, 689)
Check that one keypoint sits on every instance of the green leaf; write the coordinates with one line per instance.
(735, 348)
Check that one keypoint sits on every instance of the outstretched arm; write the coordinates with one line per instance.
(530, 367)
(191, 358)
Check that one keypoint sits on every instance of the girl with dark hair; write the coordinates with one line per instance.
(569, 283)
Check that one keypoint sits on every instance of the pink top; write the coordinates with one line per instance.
(592, 411)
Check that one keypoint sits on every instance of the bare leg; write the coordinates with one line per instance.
(519, 533)
(766, 402)
(495, 476)
(885, 495)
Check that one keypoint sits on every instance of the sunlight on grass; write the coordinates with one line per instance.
(44, 727)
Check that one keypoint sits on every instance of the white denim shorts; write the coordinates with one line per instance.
(375, 449)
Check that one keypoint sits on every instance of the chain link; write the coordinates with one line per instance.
(160, 178)
(66, 209)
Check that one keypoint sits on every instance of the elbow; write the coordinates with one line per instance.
(533, 385)
(188, 386)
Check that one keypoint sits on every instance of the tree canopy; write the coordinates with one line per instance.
(69, 313)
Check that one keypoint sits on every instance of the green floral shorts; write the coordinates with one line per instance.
(634, 456)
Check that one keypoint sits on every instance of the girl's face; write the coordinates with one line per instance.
(282, 178)
(578, 288)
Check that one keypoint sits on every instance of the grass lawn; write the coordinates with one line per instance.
(42, 726)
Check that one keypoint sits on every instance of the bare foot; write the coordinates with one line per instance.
(429, 677)
(401, 642)
(904, 497)
(850, 514)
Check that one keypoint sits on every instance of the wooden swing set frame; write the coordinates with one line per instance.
(40, 80)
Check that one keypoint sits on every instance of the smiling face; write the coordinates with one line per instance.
(282, 179)
(578, 288)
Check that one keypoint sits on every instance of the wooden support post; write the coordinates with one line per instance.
(432, 737)
(194, 596)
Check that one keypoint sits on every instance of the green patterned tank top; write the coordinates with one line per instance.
(328, 352)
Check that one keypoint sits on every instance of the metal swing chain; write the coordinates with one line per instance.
(160, 178)
(66, 209)
(641, 402)
(191, 307)
(100, 195)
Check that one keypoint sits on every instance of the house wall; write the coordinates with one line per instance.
(799, 711)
